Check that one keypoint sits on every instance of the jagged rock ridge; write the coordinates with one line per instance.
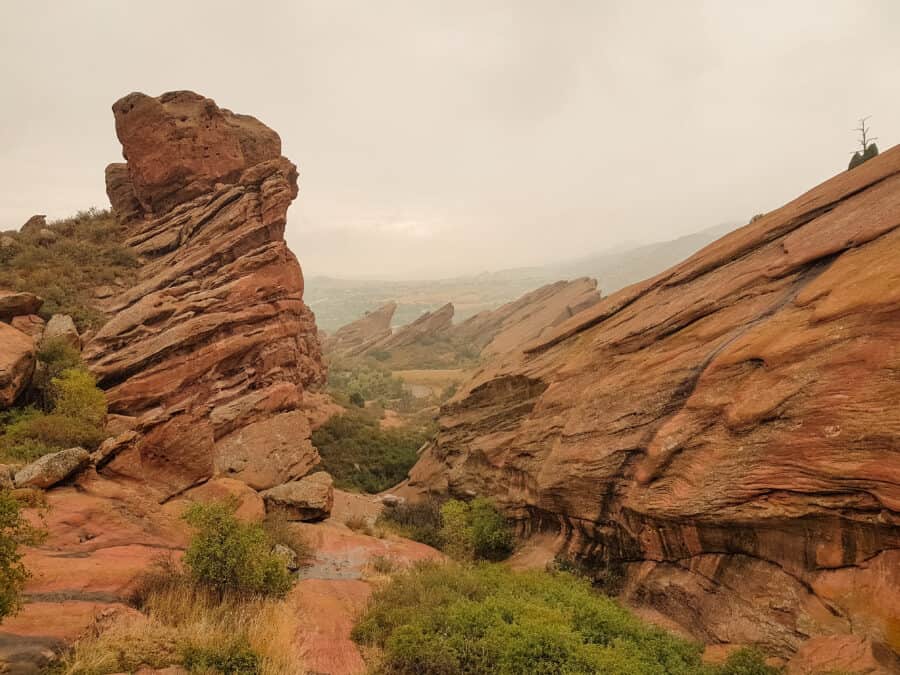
(213, 347)
(724, 434)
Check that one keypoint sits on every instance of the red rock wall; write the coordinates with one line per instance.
(726, 435)
(213, 348)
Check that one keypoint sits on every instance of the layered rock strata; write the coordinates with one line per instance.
(724, 437)
(213, 347)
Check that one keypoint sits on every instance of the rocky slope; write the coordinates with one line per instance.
(211, 350)
(723, 435)
(356, 337)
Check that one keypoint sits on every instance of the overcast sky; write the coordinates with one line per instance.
(441, 138)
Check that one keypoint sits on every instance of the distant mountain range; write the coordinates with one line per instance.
(337, 302)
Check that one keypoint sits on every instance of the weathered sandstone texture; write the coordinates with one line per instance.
(213, 345)
(725, 435)
(17, 361)
(309, 498)
(355, 338)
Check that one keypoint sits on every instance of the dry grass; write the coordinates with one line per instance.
(180, 617)
(359, 523)
(284, 532)
(436, 380)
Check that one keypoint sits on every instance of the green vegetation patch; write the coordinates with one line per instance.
(84, 252)
(449, 618)
(15, 532)
(360, 455)
(230, 555)
(69, 409)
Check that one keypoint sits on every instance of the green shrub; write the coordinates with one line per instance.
(357, 399)
(488, 619)
(15, 531)
(235, 658)
(55, 357)
(475, 530)
(76, 396)
(360, 455)
(281, 531)
(230, 555)
(747, 662)
(419, 521)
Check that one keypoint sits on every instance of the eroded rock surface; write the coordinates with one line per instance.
(17, 361)
(13, 304)
(214, 341)
(308, 499)
(355, 338)
(723, 435)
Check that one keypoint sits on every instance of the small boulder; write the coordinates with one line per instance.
(309, 498)
(391, 501)
(52, 469)
(17, 359)
(30, 324)
(61, 326)
(111, 447)
(287, 555)
(13, 304)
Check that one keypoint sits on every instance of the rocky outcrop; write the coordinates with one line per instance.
(355, 338)
(13, 304)
(309, 498)
(34, 225)
(723, 436)
(512, 325)
(52, 469)
(17, 361)
(213, 344)
(62, 328)
(430, 324)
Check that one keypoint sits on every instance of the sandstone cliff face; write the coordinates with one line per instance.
(725, 434)
(213, 348)
(357, 337)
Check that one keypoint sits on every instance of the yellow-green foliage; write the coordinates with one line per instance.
(487, 619)
(230, 555)
(87, 252)
(15, 531)
(474, 530)
(75, 412)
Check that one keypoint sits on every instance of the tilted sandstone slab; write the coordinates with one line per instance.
(214, 338)
(725, 434)
(14, 303)
(356, 337)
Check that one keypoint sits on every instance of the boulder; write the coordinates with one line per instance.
(17, 359)
(268, 452)
(287, 555)
(34, 224)
(30, 324)
(13, 304)
(62, 327)
(113, 446)
(52, 469)
(307, 499)
(391, 501)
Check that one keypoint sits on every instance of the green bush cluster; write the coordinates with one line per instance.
(70, 409)
(357, 381)
(236, 658)
(360, 455)
(230, 555)
(475, 530)
(88, 251)
(15, 531)
(465, 531)
(858, 158)
(480, 619)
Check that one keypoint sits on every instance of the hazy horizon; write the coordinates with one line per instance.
(439, 140)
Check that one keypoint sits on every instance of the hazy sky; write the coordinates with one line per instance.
(438, 138)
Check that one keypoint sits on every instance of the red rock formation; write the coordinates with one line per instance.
(213, 347)
(355, 338)
(725, 434)
(17, 359)
(514, 324)
(430, 324)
